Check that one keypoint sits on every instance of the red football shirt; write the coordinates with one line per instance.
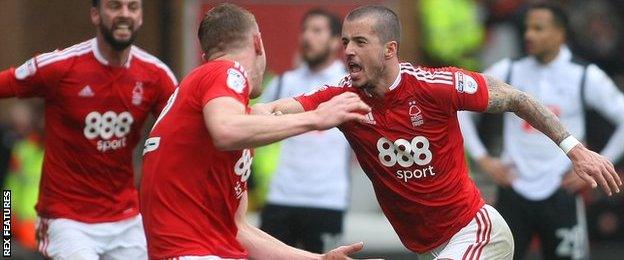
(411, 148)
(93, 119)
(190, 191)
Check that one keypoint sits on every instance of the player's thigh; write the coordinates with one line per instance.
(129, 243)
(63, 239)
(280, 222)
(487, 236)
(563, 231)
(321, 228)
(518, 213)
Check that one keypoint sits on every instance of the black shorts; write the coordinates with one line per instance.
(301, 226)
(559, 221)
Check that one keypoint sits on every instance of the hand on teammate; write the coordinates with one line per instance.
(342, 108)
(497, 170)
(594, 169)
(261, 109)
(343, 252)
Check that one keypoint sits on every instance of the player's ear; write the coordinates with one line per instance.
(257, 42)
(391, 49)
(95, 15)
(204, 56)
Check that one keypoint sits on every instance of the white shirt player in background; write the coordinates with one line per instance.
(309, 189)
(532, 171)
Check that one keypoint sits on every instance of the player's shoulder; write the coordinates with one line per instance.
(65, 55)
(426, 75)
(222, 72)
(151, 62)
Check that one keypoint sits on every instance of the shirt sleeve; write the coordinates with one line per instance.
(455, 89)
(167, 84)
(602, 94)
(35, 77)
(226, 81)
(314, 98)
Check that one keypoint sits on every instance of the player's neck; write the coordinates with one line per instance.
(548, 57)
(113, 57)
(387, 78)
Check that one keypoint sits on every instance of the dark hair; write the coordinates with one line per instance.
(335, 24)
(560, 17)
(224, 27)
(387, 25)
(95, 3)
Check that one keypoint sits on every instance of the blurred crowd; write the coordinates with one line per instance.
(463, 33)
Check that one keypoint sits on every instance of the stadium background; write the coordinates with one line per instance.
(471, 34)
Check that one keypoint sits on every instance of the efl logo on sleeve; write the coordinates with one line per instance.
(235, 80)
(465, 83)
(28, 69)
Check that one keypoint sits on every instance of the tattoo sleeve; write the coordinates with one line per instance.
(504, 98)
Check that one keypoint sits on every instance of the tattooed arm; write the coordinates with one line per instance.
(504, 98)
(590, 166)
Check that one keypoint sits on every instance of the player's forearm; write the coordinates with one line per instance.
(504, 98)
(285, 106)
(6, 90)
(615, 147)
(247, 131)
(260, 245)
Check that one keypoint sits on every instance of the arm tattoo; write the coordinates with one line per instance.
(504, 98)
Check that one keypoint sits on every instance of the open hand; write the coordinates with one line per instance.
(341, 108)
(594, 169)
(343, 252)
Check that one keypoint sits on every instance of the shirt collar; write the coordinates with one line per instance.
(397, 81)
(100, 58)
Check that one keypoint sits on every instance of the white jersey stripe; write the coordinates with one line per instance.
(63, 57)
(43, 57)
(429, 80)
(146, 57)
(50, 55)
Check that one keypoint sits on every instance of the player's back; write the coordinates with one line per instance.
(190, 190)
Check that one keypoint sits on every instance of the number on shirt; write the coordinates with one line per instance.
(403, 152)
(107, 125)
(243, 165)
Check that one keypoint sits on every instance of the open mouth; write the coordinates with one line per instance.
(122, 28)
(354, 67)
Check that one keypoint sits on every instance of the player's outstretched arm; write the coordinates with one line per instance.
(280, 106)
(261, 245)
(232, 129)
(590, 166)
(5, 84)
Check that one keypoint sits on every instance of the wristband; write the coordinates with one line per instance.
(568, 143)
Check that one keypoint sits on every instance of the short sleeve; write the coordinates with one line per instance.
(314, 98)
(455, 89)
(225, 81)
(35, 76)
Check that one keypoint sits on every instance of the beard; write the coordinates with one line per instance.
(118, 45)
(314, 60)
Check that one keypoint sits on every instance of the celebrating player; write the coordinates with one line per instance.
(410, 145)
(197, 159)
(98, 94)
